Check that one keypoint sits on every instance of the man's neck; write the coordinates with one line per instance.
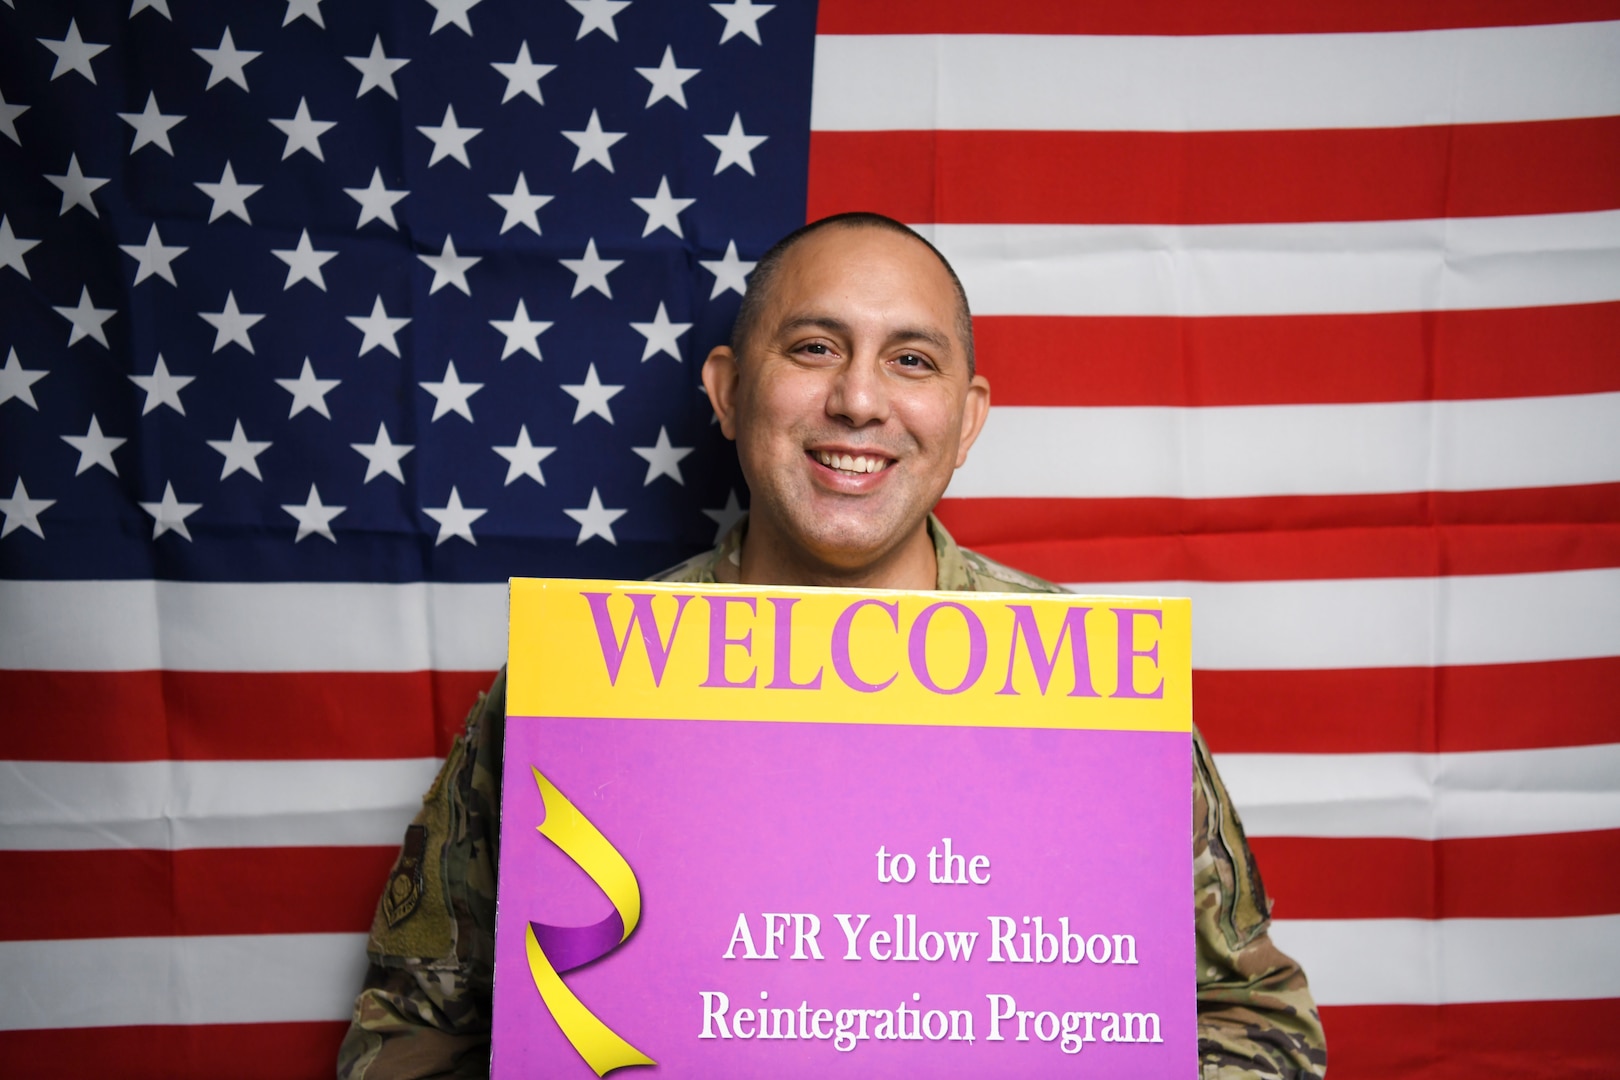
(764, 560)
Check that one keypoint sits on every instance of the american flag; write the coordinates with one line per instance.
(320, 319)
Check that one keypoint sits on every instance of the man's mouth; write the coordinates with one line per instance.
(854, 464)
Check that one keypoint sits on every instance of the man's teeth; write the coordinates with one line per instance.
(855, 463)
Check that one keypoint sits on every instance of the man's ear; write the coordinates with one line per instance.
(974, 413)
(720, 376)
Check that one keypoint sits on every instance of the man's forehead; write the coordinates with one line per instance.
(899, 269)
(841, 245)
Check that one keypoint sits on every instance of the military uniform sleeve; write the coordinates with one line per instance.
(425, 1008)
(1256, 1017)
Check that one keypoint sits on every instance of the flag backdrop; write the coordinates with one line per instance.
(320, 319)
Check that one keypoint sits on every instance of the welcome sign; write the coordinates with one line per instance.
(805, 832)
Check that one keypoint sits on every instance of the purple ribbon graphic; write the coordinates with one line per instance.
(569, 947)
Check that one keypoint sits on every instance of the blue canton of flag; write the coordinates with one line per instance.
(317, 291)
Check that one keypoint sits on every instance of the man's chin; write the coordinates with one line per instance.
(852, 543)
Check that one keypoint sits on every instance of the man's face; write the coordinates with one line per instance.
(851, 404)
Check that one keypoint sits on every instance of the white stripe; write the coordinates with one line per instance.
(1216, 452)
(310, 977)
(1215, 83)
(61, 806)
(1308, 268)
(224, 979)
(1267, 625)
(188, 626)
(1426, 796)
(1455, 961)
(1394, 622)
(173, 805)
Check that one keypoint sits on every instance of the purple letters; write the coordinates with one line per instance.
(840, 646)
(1074, 628)
(782, 673)
(1128, 652)
(917, 647)
(641, 614)
(719, 642)
(1043, 663)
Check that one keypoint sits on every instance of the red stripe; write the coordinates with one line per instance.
(1300, 359)
(1178, 17)
(1410, 710)
(232, 716)
(1505, 877)
(1494, 706)
(61, 895)
(93, 894)
(1218, 177)
(1035, 534)
(1572, 1040)
(305, 1051)
(1522, 1040)
(1483, 707)
(1383, 552)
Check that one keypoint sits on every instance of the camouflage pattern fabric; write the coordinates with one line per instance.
(425, 1008)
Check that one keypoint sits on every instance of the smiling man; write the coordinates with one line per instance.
(849, 388)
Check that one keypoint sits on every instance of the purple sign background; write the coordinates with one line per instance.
(719, 818)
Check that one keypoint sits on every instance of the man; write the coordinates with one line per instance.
(849, 388)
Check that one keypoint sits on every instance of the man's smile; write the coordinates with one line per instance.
(851, 463)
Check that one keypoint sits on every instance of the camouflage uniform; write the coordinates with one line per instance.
(425, 1009)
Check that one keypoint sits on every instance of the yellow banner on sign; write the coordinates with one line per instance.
(731, 652)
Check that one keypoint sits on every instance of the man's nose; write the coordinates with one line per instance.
(859, 395)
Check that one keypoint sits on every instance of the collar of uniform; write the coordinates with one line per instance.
(953, 574)
(723, 562)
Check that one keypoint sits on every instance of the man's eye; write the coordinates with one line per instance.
(911, 360)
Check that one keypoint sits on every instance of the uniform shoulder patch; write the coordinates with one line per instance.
(404, 891)
(414, 923)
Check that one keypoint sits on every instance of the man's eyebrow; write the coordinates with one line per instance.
(917, 333)
(814, 322)
(838, 326)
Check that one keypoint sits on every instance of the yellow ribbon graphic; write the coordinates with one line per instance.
(602, 1048)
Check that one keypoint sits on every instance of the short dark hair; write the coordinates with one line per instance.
(762, 279)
